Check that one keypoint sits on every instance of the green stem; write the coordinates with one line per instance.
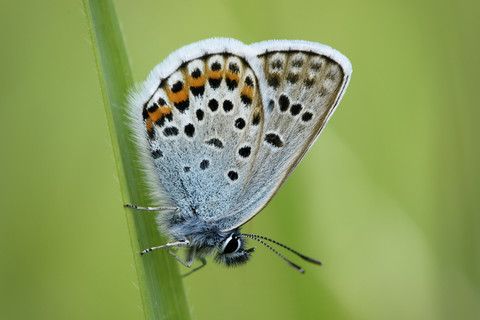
(160, 285)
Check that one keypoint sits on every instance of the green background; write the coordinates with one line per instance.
(387, 198)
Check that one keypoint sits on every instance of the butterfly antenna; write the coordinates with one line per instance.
(296, 267)
(304, 257)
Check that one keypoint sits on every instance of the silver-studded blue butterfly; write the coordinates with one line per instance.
(221, 126)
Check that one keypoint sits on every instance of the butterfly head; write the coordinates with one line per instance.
(232, 251)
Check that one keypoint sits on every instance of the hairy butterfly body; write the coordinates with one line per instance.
(221, 126)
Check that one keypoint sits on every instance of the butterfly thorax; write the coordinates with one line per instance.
(205, 238)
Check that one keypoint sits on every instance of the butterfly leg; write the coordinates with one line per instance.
(187, 264)
(180, 243)
(190, 261)
(149, 208)
(204, 263)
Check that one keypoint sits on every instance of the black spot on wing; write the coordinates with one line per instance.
(233, 67)
(307, 116)
(199, 113)
(308, 83)
(214, 83)
(227, 105)
(274, 140)
(204, 164)
(182, 105)
(197, 91)
(273, 81)
(232, 84)
(189, 130)
(177, 86)
(292, 78)
(217, 143)
(256, 119)
(216, 66)
(213, 105)
(295, 109)
(298, 63)
(240, 123)
(249, 81)
(246, 99)
(196, 73)
(232, 175)
(170, 131)
(157, 154)
(283, 103)
(277, 64)
(244, 152)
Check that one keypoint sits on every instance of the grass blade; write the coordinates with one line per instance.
(160, 286)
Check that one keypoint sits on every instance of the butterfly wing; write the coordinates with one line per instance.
(223, 124)
(201, 124)
(301, 84)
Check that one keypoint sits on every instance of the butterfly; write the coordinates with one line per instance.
(221, 126)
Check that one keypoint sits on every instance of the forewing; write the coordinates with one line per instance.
(203, 128)
(301, 84)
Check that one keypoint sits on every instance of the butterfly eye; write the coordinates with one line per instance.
(232, 245)
(232, 252)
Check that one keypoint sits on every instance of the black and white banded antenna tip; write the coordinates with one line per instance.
(296, 267)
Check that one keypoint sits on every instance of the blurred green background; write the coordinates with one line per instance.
(388, 197)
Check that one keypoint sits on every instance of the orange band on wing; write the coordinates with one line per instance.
(165, 110)
(232, 76)
(179, 96)
(196, 82)
(248, 91)
(149, 124)
(156, 115)
(214, 74)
